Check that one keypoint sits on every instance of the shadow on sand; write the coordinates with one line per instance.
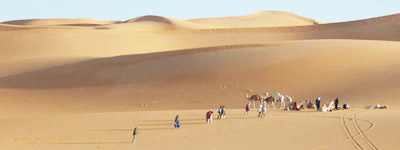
(93, 143)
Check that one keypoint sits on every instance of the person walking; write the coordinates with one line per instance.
(247, 108)
(177, 124)
(134, 135)
(318, 103)
(337, 103)
(219, 112)
(264, 110)
(209, 117)
(223, 112)
(260, 110)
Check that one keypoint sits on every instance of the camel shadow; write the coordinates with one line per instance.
(93, 143)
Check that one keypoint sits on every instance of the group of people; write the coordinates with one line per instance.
(262, 109)
(221, 112)
(333, 105)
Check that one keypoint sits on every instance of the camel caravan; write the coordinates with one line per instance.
(271, 101)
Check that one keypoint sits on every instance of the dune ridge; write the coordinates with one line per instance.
(59, 22)
(378, 20)
(260, 19)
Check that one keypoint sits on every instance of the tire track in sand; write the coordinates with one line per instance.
(346, 129)
(362, 132)
(346, 139)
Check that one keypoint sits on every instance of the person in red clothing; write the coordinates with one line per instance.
(209, 117)
(247, 108)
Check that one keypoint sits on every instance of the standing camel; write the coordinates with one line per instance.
(277, 97)
(253, 98)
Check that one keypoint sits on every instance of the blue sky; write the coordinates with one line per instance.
(323, 10)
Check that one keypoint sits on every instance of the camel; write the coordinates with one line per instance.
(328, 108)
(377, 106)
(271, 101)
(310, 105)
(253, 98)
(295, 106)
(274, 98)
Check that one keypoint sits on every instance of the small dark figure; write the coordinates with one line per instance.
(134, 135)
(346, 106)
(177, 124)
(337, 103)
(318, 102)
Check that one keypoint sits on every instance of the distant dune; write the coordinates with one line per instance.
(153, 34)
(260, 19)
(60, 22)
(153, 23)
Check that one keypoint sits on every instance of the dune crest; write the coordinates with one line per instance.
(260, 19)
(153, 23)
(151, 18)
(60, 22)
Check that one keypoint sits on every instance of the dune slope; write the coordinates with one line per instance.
(20, 43)
(260, 19)
(350, 69)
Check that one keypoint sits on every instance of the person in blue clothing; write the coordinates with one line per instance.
(337, 103)
(318, 103)
(177, 124)
(223, 112)
(219, 112)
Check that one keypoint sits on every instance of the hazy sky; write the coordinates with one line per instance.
(323, 10)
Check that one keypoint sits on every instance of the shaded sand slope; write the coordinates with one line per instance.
(260, 19)
(359, 72)
(59, 22)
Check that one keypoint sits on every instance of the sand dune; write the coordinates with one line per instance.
(84, 84)
(39, 42)
(154, 23)
(350, 69)
(260, 19)
(59, 22)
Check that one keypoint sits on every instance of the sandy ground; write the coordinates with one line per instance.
(85, 84)
(343, 129)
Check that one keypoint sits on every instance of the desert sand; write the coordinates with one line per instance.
(85, 84)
